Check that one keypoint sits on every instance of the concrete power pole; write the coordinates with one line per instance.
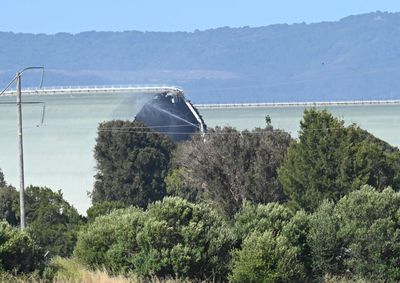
(17, 79)
(20, 152)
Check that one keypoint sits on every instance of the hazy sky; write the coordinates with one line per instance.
(52, 16)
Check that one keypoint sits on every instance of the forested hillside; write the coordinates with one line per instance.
(354, 58)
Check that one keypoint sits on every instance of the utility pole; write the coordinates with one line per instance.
(20, 152)
(17, 79)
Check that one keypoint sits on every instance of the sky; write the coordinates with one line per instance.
(74, 16)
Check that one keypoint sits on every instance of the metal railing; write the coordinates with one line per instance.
(53, 90)
(298, 104)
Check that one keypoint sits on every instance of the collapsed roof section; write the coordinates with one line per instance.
(171, 114)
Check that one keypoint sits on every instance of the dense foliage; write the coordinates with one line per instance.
(103, 208)
(52, 222)
(2, 180)
(227, 217)
(329, 160)
(132, 162)
(171, 238)
(227, 167)
(266, 257)
(18, 252)
(110, 240)
(360, 234)
(274, 247)
(9, 205)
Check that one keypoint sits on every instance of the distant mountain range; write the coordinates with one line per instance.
(355, 58)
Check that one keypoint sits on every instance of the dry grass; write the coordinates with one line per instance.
(92, 277)
(346, 279)
(70, 271)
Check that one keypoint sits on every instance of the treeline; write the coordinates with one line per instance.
(239, 206)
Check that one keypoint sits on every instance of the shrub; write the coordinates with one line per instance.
(110, 240)
(103, 208)
(370, 232)
(265, 257)
(359, 235)
(180, 184)
(18, 252)
(52, 222)
(326, 249)
(182, 239)
(253, 217)
(173, 238)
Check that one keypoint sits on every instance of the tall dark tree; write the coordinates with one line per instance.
(9, 205)
(329, 160)
(228, 166)
(9, 202)
(52, 222)
(2, 179)
(132, 162)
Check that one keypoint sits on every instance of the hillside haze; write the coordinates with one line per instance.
(355, 58)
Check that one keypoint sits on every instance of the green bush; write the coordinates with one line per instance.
(182, 239)
(110, 240)
(265, 257)
(326, 249)
(103, 208)
(253, 217)
(360, 235)
(173, 238)
(180, 184)
(296, 231)
(52, 222)
(285, 232)
(18, 252)
(370, 232)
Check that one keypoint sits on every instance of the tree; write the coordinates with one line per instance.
(132, 162)
(9, 205)
(329, 160)
(227, 166)
(52, 222)
(179, 183)
(2, 180)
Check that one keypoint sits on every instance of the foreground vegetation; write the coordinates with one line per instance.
(252, 206)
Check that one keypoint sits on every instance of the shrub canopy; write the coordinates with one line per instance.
(171, 238)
